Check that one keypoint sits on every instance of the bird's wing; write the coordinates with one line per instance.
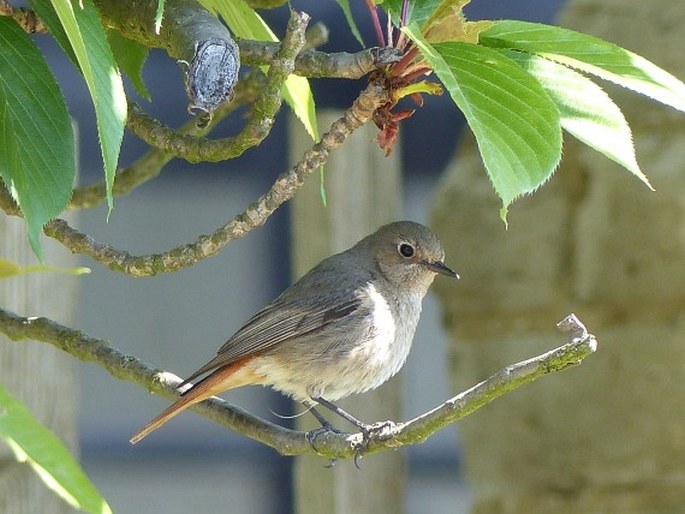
(285, 318)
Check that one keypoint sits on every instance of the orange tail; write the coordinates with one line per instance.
(234, 375)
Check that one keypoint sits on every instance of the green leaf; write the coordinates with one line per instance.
(345, 6)
(445, 9)
(588, 54)
(12, 269)
(246, 23)
(514, 121)
(89, 43)
(423, 12)
(47, 13)
(36, 139)
(586, 110)
(31, 442)
(130, 56)
(298, 95)
(418, 11)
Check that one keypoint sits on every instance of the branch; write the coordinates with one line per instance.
(316, 64)
(328, 444)
(126, 367)
(254, 216)
(185, 24)
(25, 18)
(137, 25)
(259, 125)
(190, 33)
(151, 164)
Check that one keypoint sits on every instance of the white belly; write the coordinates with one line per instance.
(377, 353)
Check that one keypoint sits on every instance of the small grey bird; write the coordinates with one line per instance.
(345, 327)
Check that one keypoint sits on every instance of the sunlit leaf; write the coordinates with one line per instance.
(31, 442)
(11, 269)
(159, 13)
(586, 110)
(588, 54)
(424, 12)
(345, 6)
(423, 87)
(36, 140)
(515, 122)
(455, 28)
(87, 39)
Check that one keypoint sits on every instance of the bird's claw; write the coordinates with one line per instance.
(379, 431)
(313, 434)
(316, 432)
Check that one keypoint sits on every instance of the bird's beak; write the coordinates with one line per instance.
(439, 267)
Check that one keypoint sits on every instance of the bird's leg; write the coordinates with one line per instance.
(349, 417)
(343, 414)
(325, 424)
(325, 427)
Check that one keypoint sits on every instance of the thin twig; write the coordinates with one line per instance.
(316, 64)
(254, 216)
(580, 345)
(329, 444)
(151, 164)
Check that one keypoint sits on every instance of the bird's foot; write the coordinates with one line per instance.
(317, 432)
(379, 431)
(321, 431)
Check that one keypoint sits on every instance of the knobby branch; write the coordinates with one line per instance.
(329, 444)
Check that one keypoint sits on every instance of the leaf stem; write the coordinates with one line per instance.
(406, 61)
(414, 72)
(405, 12)
(376, 22)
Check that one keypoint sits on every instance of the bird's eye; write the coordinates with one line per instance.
(406, 250)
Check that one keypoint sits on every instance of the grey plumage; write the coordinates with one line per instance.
(345, 327)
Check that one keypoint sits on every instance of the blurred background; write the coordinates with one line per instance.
(177, 321)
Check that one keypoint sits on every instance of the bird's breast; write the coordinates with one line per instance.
(384, 350)
(353, 355)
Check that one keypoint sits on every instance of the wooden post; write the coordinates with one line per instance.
(38, 374)
(363, 192)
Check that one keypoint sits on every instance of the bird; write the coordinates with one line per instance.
(343, 328)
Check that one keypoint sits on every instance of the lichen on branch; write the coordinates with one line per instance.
(151, 163)
(283, 189)
(330, 444)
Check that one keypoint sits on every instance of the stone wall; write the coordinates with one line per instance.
(608, 436)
